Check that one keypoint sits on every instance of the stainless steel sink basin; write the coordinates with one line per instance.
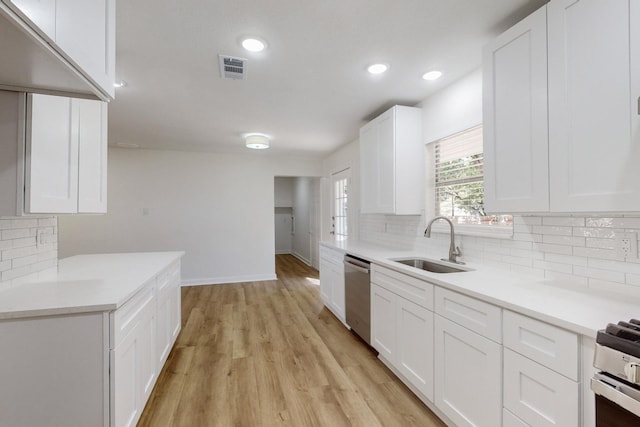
(428, 265)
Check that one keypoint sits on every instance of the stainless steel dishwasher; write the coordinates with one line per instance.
(357, 290)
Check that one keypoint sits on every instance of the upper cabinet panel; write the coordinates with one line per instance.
(392, 163)
(64, 46)
(590, 89)
(593, 94)
(515, 118)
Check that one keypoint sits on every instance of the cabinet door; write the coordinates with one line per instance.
(368, 168)
(325, 280)
(92, 157)
(415, 345)
(124, 393)
(85, 30)
(147, 351)
(593, 103)
(52, 155)
(337, 290)
(41, 12)
(383, 322)
(468, 376)
(516, 177)
(537, 395)
(377, 165)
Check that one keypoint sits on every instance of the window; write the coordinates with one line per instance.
(459, 186)
(340, 228)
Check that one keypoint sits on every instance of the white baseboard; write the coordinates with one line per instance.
(229, 279)
(283, 252)
(306, 261)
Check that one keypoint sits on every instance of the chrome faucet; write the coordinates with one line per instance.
(454, 251)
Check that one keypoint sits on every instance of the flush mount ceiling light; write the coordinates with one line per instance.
(432, 75)
(377, 68)
(256, 141)
(120, 83)
(253, 44)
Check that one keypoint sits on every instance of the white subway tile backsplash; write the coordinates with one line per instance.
(563, 240)
(564, 221)
(20, 254)
(575, 250)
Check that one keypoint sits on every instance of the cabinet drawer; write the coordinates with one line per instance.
(510, 420)
(548, 345)
(331, 255)
(537, 395)
(415, 290)
(476, 315)
(124, 319)
(169, 276)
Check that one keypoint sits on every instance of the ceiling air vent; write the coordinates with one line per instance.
(232, 67)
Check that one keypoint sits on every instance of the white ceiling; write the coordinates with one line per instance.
(309, 90)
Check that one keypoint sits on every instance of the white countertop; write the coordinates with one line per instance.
(85, 283)
(579, 310)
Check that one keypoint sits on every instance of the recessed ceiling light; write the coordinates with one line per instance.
(432, 75)
(120, 83)
(377, 68)
(256, 141)
(253, 45)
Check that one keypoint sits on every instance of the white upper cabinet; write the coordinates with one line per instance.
(593, 68)
(594, 79)
(58, 161)
(51, 164)
(515, 118)
(392, 163)
(67, 46)
(92, 156)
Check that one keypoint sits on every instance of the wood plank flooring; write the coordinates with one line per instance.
(269, 354)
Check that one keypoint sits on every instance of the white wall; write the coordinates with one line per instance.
(218, 208)
(283, 191)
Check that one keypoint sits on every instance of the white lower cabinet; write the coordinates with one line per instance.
(468, 375)
(89, 369)
(402, 331)
(415, 345)
(168, 302)
(332, 281)
(538, 395)
(133, 360)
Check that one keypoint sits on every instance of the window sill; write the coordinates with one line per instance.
(491, 231)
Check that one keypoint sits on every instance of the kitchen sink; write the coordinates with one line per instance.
(429, 265)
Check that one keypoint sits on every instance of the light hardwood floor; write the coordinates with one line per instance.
(269, 354)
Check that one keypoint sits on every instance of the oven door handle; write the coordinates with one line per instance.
(610, 392)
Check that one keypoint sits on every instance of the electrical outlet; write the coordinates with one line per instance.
(628, 245)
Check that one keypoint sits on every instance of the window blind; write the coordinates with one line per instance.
(459, 188)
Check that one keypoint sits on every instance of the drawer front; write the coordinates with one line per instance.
(331, 255)
(538, 395)
(169, 276)
(548, 345)
(510, 420)
(127, 317)
(478, 316)
(415, 290)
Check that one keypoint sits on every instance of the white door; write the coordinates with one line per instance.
(516, 172)
(52, 155)
(593, 105)
(415, 345)
(468, 376)
(383, 322)
(92, 156)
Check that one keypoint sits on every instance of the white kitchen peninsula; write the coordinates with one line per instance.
(84, 345)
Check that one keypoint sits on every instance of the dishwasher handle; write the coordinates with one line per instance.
(357, 264)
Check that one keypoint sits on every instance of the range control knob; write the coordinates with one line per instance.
(632, 371)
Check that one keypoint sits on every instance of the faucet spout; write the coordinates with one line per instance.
(454, 251)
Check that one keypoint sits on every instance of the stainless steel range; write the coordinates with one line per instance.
(617, 386)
